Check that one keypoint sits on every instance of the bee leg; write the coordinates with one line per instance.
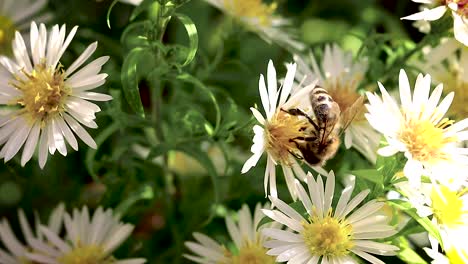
(299, 112)
(295, 155)
(303, 138)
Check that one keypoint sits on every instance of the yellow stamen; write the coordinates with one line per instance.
(43, 92)
(89, 254)
(425, 140)
(252, 254)
(7, 33)
(448, 207)
(327, 236)
(254, 9)
(279, 132)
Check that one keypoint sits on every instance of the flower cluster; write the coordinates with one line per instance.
(360, 148)
(87, 238)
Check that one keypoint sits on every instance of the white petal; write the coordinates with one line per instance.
(428, 14)
(460, 28)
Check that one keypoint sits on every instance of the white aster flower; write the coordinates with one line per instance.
(277, 128)
(17, 15)
(89, 239)
(447, 63)
(341, 77)
(452, 254)
(247, 238)
(418, 127)
(259, 18)
(17, 252)
(328, 235)
(48, 101)
(448, 209)
(435, 9)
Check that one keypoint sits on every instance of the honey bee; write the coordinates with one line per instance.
(321, 140)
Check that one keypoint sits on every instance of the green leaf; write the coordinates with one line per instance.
(192, 34)
(145, 192)
(134, 35)
(129, 78)
(371, 175)
(423, 221)
(407, 254)
(109, 12)
(140, 8)
(91, 153)
(190, 79)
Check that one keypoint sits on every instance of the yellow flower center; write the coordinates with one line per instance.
(327, 236)
(425, 140)
(345, 94)
(43, 92)
(7, 33)
(448, 207)
(252, 254)
(88, 254)
(278, 133)
(252, 9)
(456, 257)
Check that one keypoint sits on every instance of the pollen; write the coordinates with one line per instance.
(43, 92)
(89, 254)
(280, 131)
(462, 6)
(7, 32)
(327, 236)
(252, 254)
(252, 9)
(426, 140)
(448, 206)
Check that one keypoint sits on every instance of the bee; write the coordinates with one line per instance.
(321, 140)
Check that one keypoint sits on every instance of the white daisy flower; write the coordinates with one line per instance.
(328, 235)
(48, 101)
(277, 128)
(341, 77)
(17, 15)
(89, 239)
(418, 127)
(435, 9)
(245, 235)
(260, 18)
(447, 63)
(16, 251)
(448, 209)
(452, 254)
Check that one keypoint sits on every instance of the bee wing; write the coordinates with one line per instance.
(349, 114)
